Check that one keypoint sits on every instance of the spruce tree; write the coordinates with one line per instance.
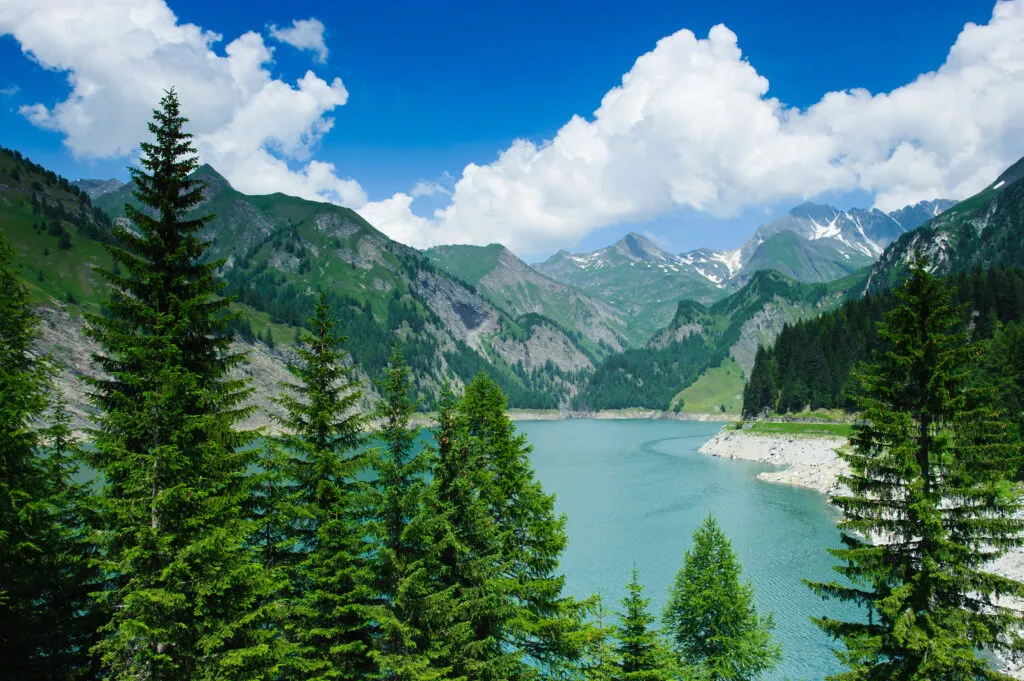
(543, 624)
(398, 533)
(643, 656)
(183, 590)
(467, 608)
(46, 622)
(322, 430)
(928, 507)
(710, 616)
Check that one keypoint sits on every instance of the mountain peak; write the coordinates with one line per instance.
(818, 212)
(96, 188)
(639, 247)
(207, 174)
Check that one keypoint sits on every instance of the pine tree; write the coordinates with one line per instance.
(467, 608)
(544, 625)
(46, 624)
(183, 589)
(710, 615)
(70, 571)
(397, 531)
(642, 654)
(24, 489)
(322, 431)
(928, 506)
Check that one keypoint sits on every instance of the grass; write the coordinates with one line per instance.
(797, 429)
(718, 386)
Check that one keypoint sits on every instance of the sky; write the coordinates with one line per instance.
(539, 125)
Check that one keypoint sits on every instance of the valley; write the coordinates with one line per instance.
(628, 326)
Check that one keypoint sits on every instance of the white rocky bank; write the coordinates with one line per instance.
(812, 462)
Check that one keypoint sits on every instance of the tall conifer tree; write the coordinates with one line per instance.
(928, 507)
(46, 624)
(537, 619)
(467, 607)
(329, 583)
(183, 590)
(710, 615)
(398, 531)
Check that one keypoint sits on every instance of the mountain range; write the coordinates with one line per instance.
(810, 243)
(630, 321)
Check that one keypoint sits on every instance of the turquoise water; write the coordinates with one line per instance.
(635, 491)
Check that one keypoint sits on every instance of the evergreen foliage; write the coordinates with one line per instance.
(600, 661)
(927, 480)
(544, 624)
(642, 654)
(182, 589)
(322, 431)
(397, 529)
(811, 362)
(468, 608)
(710, 617)
(46, 622)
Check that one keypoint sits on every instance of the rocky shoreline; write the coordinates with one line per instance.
(808, 461)
(812, 462)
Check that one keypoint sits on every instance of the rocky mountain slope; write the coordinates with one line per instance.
(518, 289)
(986, 230)
(641, 278)
(278, 251)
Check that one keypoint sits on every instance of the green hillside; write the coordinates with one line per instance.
(805, 260)
(509, 283)
(702, 337)
(278, 251)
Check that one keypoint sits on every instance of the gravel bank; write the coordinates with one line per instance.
(809, 462)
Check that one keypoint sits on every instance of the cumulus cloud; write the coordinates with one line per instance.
(693, 125)
(303, 34)
(120, 55)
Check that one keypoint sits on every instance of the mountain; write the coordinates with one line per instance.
(829, 243)
(516, 288)
(702, 338)
(640, 278)
(986, 230)
(978, 244)
(810, 243)
(97, 188)
(278, 251)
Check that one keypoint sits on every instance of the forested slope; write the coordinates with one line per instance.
(278, 251)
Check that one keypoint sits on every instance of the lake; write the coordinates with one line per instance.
(635, 491)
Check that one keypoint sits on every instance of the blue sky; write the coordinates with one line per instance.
(432, 87)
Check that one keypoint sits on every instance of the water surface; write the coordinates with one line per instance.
(635, 491)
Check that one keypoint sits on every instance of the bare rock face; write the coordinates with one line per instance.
(335, 225)
(544, 345)
(465, 315)
(63, 337)
(675, 335)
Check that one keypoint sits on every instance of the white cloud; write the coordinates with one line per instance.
(304, 34)
(692, 125)
(425, 188)
(120, 55)
(9, 91)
